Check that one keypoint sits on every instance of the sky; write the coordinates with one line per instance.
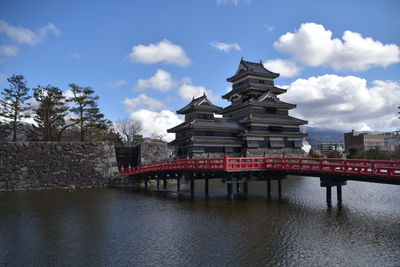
(339, 60)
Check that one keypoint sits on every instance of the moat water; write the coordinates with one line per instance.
(116, 227)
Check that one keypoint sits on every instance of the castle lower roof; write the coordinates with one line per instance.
(215, 124)
(275, 119)
(201, 104)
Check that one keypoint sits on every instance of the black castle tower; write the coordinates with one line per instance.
(256, 123)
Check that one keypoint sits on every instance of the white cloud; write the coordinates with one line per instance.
(19, 34)
(345, 103)
(270, 28)
(235, 2)
(117, 84)
(142, 101)
(187, 91)
(156, 122)
(164, 51)
(286, 68)
(313, 45)
(50, 27)
(160, 81)
(76, 56)
(226, 47)
(8, 50)
(68, 93)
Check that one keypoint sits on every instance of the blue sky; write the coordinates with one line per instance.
(146, 59)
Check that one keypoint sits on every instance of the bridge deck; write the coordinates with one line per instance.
(380, 171)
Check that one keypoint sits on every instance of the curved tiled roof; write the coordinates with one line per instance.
(247, 67)
(216, 123)
(200, 103)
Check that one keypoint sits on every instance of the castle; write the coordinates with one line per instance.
(256, 123)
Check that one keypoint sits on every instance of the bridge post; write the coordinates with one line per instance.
(229, 189)
(165, 183)
(145, 183)
(339, 195)
(280, 186)
(329, 195)
(245, 188)
(191, 188)
(178, 185)
(269, 187)
(237, 187)
(328, 183)
(206, 186)
(158, 183)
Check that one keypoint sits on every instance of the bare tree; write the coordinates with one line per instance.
(128, 128)
(159, 136)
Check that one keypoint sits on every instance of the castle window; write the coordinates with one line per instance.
(276, 143)
(275, 129)
(228, 149)
(298, 143)
(196, 149)
(253, 144)
(271, 110)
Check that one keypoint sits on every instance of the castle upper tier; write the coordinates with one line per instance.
(256, 123)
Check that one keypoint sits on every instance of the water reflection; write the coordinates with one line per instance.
(125, 227)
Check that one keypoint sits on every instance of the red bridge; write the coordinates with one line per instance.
(332, 172)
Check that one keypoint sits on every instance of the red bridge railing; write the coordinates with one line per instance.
(381, 168)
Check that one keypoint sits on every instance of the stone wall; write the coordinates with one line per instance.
(152, 152)
(47, 165)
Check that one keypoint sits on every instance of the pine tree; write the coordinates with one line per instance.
(50, 112)
(13, 104)
(85, 108)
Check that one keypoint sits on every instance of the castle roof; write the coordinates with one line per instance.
(215, 124)
(273, 119)
(201, 104)
(247, 67)
(274, 89)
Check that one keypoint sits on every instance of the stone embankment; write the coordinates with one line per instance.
(51, 165)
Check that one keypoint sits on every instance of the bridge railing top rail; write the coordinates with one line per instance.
(387, 168)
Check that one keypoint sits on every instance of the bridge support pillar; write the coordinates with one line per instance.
(158, 184)
(329, 196)
(178, 185)
(192, 188)
(328, 183)
(339, 195)
(145, 183)
(165, 184)
(237, 187)
(280, 186)
(206, 187)
(245, 188)
(269, 187)
(230, 190)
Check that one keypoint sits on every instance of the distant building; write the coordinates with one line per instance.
(256, 123)
(364, 141)
(392, 140)
(326, 148)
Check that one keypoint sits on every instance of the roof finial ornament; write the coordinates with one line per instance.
(204, 93)
(241, 58)
(260, 61)
(193, 98)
